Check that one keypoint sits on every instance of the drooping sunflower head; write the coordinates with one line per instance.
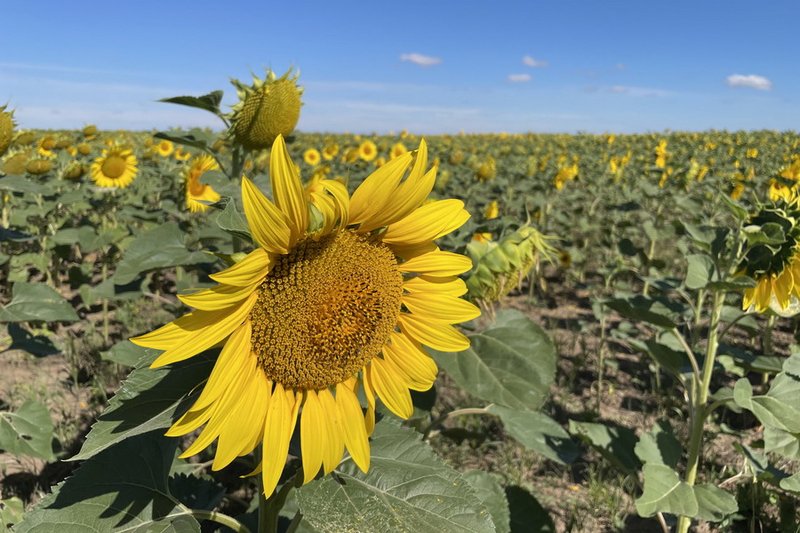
(73, 170)
(774, 264)
(339, 296)
(6, 129)
(14, 161)
(196, 191)
(115, 167)
(266, 109)
(46, 145)
(89, 131)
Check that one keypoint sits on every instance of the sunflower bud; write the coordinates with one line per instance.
(6, 129)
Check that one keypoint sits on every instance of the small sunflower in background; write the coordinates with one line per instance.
(334, 301)
(266, 109)
(6, 129)
(164, 148)
(46, 145)
(312, 157)
(492, 210)
(197, 192)
(397, 150)
(367, 150)
(330, 151)
(181, 155)
(116, 167)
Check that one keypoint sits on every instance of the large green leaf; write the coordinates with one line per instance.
(27, 431)
(161, 247)
(713, 503)
(407, 489)
(615, 443)
(489, 491)
(209, 102)
(148, 400)
(231, 220)
(527, 514)
(36, 301)
(510, 364)
(659, 446)
(642, 309)
(538, 432)
(699, 271)
(664, 492)
(125, 488)
(779, 408)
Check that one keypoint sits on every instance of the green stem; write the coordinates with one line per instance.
(220, 518)
(269, 509)
(650, 255)
(700, 411)
(458, 412)
(105, 307)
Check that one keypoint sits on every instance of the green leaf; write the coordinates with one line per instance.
(149, 399)
(791, 483)
(125, 488)
(699, 271)
(36, 301)
(538, 432)
(161, 247)
(779, 408)
(659, 446)
(12, 510)
(186, 140)
(713, 503)
(233, 221)
(738, 283)
(126, 353)
(527, 514)
(510, 364)
(489, 491)
(407, 488)
(782, 442)
(208, 102)
(615, 443)
(664, 492)
(639, 310)
(27, 431)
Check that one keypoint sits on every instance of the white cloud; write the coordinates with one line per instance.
(532, 62)
(420, 59)
(519, 78)
(753, 81)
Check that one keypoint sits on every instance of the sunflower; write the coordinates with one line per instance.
(775, 267)
(116, 167)
(164, 148)
(367, 150)
(330, 151)
(311, 157)
(181, 154)
(338, 298)
(196, 192)
(6, 129)
(492, 210)
(397, 150)
(46, 145)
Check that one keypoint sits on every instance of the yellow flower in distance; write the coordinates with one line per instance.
(164, 148)
(311, 157)
(197, 192)
(116, 167)
(492, 210)
(330, 151)
(181, 154)
(319, 311)
(397, 150)
(367, 150)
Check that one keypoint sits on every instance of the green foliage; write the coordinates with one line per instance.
(27, 431)
(36, 302)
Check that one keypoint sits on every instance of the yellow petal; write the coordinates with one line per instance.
(452, 285)
(369, 416)
(246, 272)
(263, 394)
(269, 226)
(427, 223)
(442, 337)
(377, 190)
(287, 189)
(233, 357)
(437, 263)
(203, 334)
(409, 357)
(353, 428)
(440, 307)
(235, 434)
(409, 195)
(218, 297)
(783, 288)
(190, 421)
(277, 433)
(391, 389)
(333, 450)
(312, 434)
(748, 298)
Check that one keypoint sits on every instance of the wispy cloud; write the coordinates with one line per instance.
(533, 62)
(637, 91)
(420, 59)
(519, 78)
(753, 81)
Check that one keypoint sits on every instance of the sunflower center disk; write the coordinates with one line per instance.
(114, 167)
(325, 310)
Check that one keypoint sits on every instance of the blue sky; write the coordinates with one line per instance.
(429, 67)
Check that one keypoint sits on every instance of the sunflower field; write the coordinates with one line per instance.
(255, 329)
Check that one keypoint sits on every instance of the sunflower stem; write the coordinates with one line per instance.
(220, 518)
(269, 508)
(458, 412)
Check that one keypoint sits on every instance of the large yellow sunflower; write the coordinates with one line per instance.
(339, 296)
(116, 167)
(197, 192)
